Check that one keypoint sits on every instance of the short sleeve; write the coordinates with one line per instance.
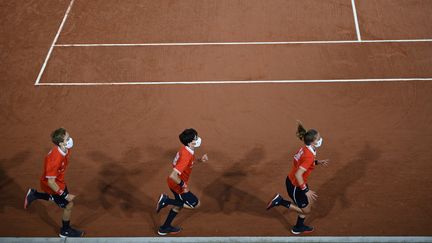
(182, 163)
(306, 162)
(52, 166)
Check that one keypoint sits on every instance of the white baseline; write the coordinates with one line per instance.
(238, 82)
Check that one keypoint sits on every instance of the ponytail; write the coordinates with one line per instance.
(301, 131)
(306, 136)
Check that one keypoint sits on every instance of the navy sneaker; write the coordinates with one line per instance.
(301, 229)
(161, 203)
(169, 230)
(275, 201)
(70, 232)
(29, 198)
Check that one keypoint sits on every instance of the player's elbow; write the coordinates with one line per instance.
(299, 172)
(173, 175)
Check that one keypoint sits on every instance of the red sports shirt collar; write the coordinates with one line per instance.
(190, 150)
(61, 151)
(312, 149)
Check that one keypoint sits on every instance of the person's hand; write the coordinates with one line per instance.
(324, 162)
(311, 195)
(70, 197)
(204, 158)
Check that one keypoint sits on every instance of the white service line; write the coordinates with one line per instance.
(238, 43)
(239, 82)
(356, 20)
(53, 43)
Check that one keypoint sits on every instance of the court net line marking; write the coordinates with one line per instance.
(54, 42)
(239, 82)
(356, 20)
(241, 43)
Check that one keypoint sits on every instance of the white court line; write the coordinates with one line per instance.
(245, 239)
(240, 82)
(53, 43)
(356, 20)
(240, 43)
(259, 239)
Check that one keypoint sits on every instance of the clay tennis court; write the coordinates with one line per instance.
(126, 77)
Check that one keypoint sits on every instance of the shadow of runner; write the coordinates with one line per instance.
(335, 189)
(227, 198)
(12, 195)
(115, 191)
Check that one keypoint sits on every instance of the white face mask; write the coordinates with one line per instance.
(318, 143)
(198, 142)
(69, 143)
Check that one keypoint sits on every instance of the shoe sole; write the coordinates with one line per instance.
(25, 199)
(157, 205)
(304, 232)
(64, 236)
(269, 205)
(170, 233)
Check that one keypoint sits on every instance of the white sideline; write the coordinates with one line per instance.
(240, 43)
(359, 239)
(54, 42)
(356, 20)
(239, 82)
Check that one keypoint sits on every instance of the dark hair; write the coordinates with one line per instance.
(58, 135)
(306, 136)
(187, 136)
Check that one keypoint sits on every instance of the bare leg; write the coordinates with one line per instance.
(294, 207)
(67, 212)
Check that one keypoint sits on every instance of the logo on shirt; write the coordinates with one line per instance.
(176, 158)
(298, 155)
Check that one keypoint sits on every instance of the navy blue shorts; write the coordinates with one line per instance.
(60, 201)
(187, 198)
(296, 194)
